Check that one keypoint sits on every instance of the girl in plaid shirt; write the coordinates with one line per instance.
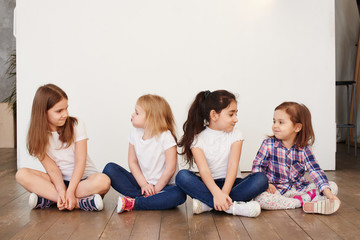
(284, 157)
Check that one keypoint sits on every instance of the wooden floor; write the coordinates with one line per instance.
(17, 221)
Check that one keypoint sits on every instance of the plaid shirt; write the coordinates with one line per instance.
(285, 168)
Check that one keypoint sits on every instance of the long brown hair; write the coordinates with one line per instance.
(38, 136)
(159, 117)
(299, 113)
(199, 115)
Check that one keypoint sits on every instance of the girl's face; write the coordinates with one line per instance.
(284, 129)
(138, 118)
(58, 114)
(226, 119)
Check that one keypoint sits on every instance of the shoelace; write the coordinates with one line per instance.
(87, 203)
(129, 204)
(43, 203)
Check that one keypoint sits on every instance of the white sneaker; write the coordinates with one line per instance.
(91, 203)
(33, 199)
(200, 207)
(36, 201)
(247, 209)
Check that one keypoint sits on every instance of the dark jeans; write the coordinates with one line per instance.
(244, 189)
(125, 183)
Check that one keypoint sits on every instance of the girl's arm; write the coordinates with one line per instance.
(328, 194)
(233, 165)
(222, 201)
(56, 178)
(261, 161)
(318, 175)
(170, 168)
(78, 172)
(147, 189)
(315, 172)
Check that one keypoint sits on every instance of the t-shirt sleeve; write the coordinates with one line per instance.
(197, 143)
(132, 136)
(237, 135)
(80, 131)
(168, 140)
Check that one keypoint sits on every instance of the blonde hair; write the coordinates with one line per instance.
(38, 135)
(159, 117)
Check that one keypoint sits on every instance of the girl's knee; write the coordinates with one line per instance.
(181, 196)
(177, 195)
(103, 183)
(22, 175)
(182, 177)
(109, 168)
(261, 180)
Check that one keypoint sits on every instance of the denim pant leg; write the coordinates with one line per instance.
(171, 196)
(193, 186)
(247, 188)
(122, 181)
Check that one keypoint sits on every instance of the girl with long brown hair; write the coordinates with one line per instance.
(211, 141)
(59, 141)
(285, 156)
(152, 160)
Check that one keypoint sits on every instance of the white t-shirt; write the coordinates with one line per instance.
(65, 157)
(216, 146)
(151, 154)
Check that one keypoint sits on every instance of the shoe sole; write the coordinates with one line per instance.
(196, 206)
(119, 208)
(325, 207)
(33, 198)
(98, 202)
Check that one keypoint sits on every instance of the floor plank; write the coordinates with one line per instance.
(284, 225)
(312, 225)
(201, 226)
(14, 216)
(39, 224)
(17, 221)
(259, 228)
(119, 225)
(230, 227)
(147, 225)
(174, 224)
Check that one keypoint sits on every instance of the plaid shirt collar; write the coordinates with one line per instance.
(278, 144)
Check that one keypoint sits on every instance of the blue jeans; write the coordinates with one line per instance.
(244, 189)
(125, 183)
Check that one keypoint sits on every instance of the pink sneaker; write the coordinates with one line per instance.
(125, 204)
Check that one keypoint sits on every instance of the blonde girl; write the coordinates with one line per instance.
(211, 141)
(152, 159)
(60, 143)
(285, 156)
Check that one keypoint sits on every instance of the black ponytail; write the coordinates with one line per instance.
(199, 117)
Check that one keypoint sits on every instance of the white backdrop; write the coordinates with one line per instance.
(105, 54)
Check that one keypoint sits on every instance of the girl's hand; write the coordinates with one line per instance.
(222, 201)
(61, 201)
(329, 195)
(157, 189)
(148, 190)
(70, 200)
(272, 189)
